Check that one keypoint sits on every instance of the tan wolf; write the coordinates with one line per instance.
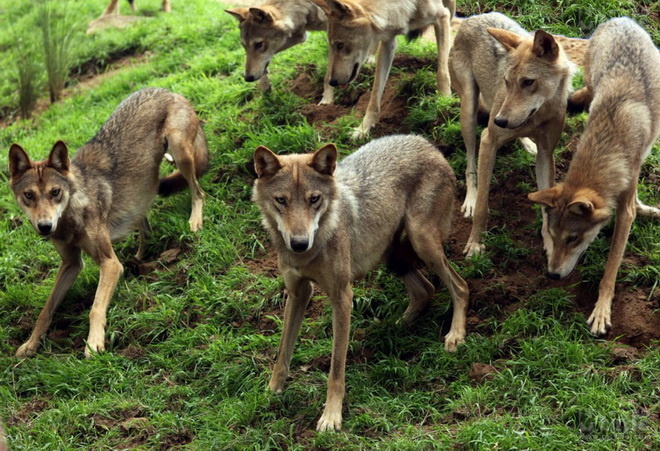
(356, 26)
(391, 200)
(622, 73)
(524, 80)
(113, 7)
(103, 193)
(273, 27)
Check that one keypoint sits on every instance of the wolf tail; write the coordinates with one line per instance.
(176, 182)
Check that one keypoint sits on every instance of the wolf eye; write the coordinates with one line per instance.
(339, 45)
(55, 192)
(571, 239)
(314, 199)
(527, 82)
(258, 45)
(29, 195)
(280, 200)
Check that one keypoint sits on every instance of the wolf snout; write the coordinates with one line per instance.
(249, 77)
(45, 227)
(554, 275)
(501, 122)
(299, 244)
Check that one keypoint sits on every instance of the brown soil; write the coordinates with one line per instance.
(635, 311)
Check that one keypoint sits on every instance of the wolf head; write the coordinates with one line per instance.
(352, 36)
(537, 69)
(264, 32)
(574, 219)
(42, 188)
(294, 194)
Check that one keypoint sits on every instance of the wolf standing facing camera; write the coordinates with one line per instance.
(104, 192)
(622, 74)
(391, 200)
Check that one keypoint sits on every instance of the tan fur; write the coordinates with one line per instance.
(273, 27)
(356, 26)
(104, 192)
(3, 439)
(523, 80)
(622, 74)
(331, 226)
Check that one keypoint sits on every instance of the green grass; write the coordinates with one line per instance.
(191, 343)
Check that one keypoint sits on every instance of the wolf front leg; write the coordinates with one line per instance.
(545, 170)
(342, 298)
(442, 28)
(110, 271)
(300, 292)
(600, 318)
(71, 266)
(384, 64)
(486, 163)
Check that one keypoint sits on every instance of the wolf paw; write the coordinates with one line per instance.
(195, 224)
(474, 248)
(599, 320)
(94, 346)
(468, 206)
(359, 133)
(27, 349)
(330, 420)
(453, 340)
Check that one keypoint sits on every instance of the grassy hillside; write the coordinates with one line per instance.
(193, 329)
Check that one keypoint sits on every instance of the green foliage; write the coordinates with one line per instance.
(192, 339)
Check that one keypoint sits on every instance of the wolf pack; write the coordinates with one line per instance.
(391, 200)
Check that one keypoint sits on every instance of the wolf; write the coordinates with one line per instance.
(103, 193)
(113, 7)
(389, 201)
(622, 74)
(273, 27)
(356, 26)
(524, 80)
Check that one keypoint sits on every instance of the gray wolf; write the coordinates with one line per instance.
(113, 7)
(356, 26)
(103, 193)
(391, 200)
(273, 27)
(622, 74)
(524, 81)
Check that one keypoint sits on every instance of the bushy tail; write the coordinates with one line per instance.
(175, 182)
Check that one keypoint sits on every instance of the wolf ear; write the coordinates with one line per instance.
(545, 46)
(19, 162)
(59, 157)
(547, 197)
(266, 162)
(240, 14)
(261, 16)
(589, 204)
(342, 10)
(508, 39)
(324, 160)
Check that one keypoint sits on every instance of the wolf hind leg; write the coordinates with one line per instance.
(420, 292)
(428, 245)
(182, 150)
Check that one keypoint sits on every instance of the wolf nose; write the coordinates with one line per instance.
(554, 275)
(299, 244)
(334, 82)
(45, 227)
(249, 77)
(501, 122)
